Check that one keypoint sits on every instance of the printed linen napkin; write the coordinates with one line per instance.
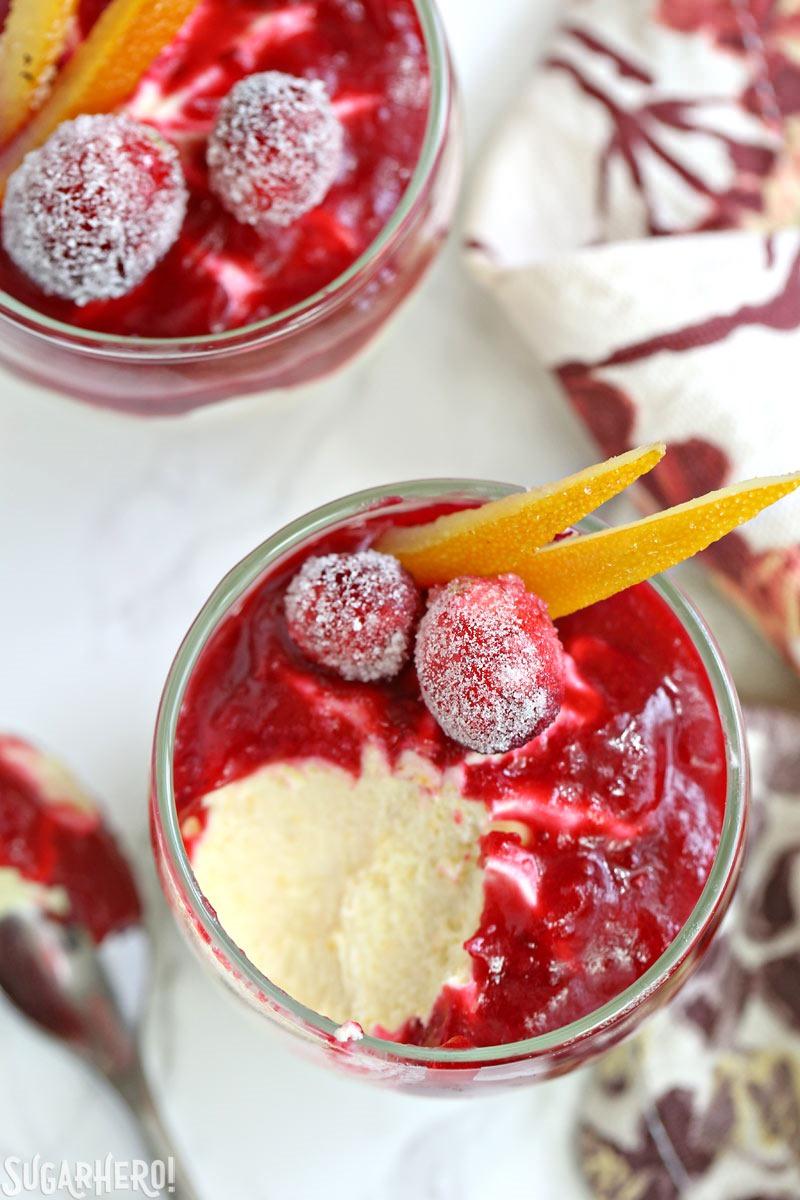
(638, 216)
(704, 1104)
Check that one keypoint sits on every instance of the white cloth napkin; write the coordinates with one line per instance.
(638, 217)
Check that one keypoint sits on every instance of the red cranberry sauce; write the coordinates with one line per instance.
(221, 274)
(617, 807)
(59, 845)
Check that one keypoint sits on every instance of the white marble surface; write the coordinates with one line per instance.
(112, 533)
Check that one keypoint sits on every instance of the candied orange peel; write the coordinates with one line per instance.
(32, 41)
(579, 571)
(105, 69)
(500, 536)
(511, 535)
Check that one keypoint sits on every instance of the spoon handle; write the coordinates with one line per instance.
(135, 1091)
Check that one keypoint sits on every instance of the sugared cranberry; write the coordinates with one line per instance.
(489, 663)
(354, 613)
(275, 149)
(89, 215)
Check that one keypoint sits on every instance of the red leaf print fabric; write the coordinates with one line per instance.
(638, 216)
(705, 1101)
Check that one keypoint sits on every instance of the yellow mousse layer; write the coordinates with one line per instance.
(354, 895)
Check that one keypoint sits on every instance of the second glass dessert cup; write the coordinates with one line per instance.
(165, 376)
(403, 1066)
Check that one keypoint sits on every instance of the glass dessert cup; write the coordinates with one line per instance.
(412, 1067)
(165, 376)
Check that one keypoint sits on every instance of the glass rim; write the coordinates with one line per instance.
(299, 315)
(235, 585)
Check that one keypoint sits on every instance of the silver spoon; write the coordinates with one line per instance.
(52, 972)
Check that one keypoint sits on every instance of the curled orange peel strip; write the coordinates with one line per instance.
(511, 535)
(581, 570)
(500, 536)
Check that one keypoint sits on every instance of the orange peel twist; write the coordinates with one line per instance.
(510, 535)
(575, 573)
(500, 536)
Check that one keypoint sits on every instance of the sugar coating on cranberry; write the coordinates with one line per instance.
(276, 148)
(490, 663)
(90, 214)
(353, 613)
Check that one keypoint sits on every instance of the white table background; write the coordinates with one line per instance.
(112, 533)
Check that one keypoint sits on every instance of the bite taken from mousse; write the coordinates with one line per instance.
(438, 809)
